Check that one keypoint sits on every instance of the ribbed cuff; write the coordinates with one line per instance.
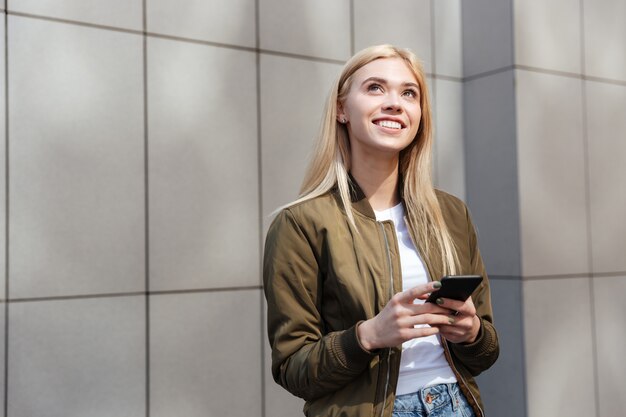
(349, 351)
(484, 344)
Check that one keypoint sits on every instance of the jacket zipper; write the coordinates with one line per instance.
(444, 344)
(391, 293)
(458, 374)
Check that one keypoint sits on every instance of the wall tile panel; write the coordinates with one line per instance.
(606, 130)
(551, 164)
(290, 119)
(610, 332)
(450, 155)
(205, 354)
(548, 34)
(76, 160)
(503, 386)
(82, 357)
(125, 14)
(3, 203)
(487, 30)
(319, 28)
(203, 141)
(405, 23)
(605, 38)
(558, 347)
(491, 169)
(448, 42)
(230, 22)
(2, 352)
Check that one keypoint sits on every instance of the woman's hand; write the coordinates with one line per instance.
(396, 323)
(466, 323)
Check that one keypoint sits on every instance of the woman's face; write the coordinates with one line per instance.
(382, 108)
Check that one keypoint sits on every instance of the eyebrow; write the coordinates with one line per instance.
(384, 81)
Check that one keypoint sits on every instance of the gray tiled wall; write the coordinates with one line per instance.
(148, 144)
(76, 140)
(150, 140)
(554, 141)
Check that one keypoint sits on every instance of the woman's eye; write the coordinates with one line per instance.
(411, 93)
(374, 88)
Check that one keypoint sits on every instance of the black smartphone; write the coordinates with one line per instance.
(456, 287)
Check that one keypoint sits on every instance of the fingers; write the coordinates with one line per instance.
(417, 332)
(464, 330)
(429, 319)
(464, 325)
(418, 291)
(465, 308)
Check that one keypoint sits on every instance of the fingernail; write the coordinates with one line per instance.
(436, 285)
(439, 301)
(451, 320)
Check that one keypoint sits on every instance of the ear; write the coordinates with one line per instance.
(341, 115)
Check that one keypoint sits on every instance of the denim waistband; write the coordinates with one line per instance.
(432, 400)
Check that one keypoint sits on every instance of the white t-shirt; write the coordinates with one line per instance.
(423, 362)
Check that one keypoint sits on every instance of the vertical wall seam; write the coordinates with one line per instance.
(586, 165)
(146, 203)
(522, 306)
(257, 34)
(433, 83)
(352, 45)
(6, 213)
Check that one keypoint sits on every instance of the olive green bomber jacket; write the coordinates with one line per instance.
(321, 279)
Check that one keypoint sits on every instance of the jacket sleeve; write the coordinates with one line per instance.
(306, 360)
(483, 352)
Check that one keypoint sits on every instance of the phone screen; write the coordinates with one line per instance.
(456, 287)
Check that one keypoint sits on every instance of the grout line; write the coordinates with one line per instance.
(592, 304)
(146, 200)
(555, 277)
(522, 307)
(178, 38)
(257, 19)
(493, 277)
(581, 275)
(434, 99)
(488, 73)
(6, 214)
(433, 37)
(201, 42)
(206, 290)
(572, 75)
(604, 80)
(522, 322)
(352, 35)
(256, 49)
(549, 71)
(307, 57)
(542, 71)
(74, 297)
(75, 22)
(131, 294)
(303, 57)
(445, 77)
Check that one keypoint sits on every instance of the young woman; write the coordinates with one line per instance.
(349, 264)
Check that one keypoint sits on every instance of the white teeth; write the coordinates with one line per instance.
(389, 124)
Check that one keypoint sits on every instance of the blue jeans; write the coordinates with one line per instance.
(443, 400)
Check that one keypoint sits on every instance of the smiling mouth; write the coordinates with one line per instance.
(388, 124)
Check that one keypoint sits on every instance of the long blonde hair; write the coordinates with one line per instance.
(330, 163)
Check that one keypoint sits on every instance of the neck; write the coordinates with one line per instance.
(379, 182)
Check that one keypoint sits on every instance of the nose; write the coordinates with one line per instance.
(392, 103)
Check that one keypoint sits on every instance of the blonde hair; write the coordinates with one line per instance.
(330, 163)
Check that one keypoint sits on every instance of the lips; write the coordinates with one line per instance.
(389, 123)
